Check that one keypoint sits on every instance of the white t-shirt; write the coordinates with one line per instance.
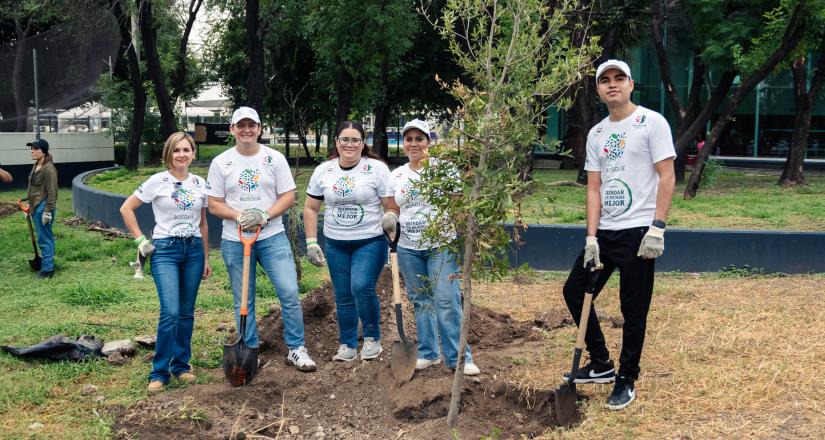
(246, 182)
(177, 205)
(416, 211)
(353, 197)
(625, 153)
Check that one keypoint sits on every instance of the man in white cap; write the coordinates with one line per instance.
(630, 182)
(251, 186)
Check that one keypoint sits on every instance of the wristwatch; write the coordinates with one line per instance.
(659, 223)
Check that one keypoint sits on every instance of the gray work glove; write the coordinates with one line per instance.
(653, 243)
(250, 218)
(591, 251)
(389, 223)
(145, 246)
(314, 253)
(46, 218)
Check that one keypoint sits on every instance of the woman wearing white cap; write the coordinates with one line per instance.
(355, 186)
(429, 269)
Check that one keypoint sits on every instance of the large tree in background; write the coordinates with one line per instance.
(255, 52)
(135, 78)
(154, 70)
(754, 63)
(805, 93)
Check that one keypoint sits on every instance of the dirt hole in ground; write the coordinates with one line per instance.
(357, 400)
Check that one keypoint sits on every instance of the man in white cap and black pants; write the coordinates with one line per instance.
(249, 186)
(630, 182)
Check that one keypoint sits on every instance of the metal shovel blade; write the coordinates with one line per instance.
(566, 404)
(240, 361)
(404, 356)
(36, 264)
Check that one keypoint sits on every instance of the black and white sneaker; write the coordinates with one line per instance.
(623, 393)
(595, 372)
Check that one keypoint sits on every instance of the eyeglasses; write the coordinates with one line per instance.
(175, 193)
(351, 141)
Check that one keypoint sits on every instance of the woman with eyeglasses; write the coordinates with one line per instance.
(355, 186)
(179, 253)
(430, 270)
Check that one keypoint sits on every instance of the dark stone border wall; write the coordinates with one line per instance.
(555, 247)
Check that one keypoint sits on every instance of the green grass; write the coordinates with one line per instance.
(93, 293)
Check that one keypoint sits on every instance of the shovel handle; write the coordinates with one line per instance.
(25, 208)
(393, 241)
(588, 302)
(247, 256)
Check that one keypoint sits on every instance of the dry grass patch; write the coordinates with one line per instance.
(724, 357)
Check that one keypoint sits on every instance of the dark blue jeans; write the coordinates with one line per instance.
(354, 266)
(177, 266)
(45, 237)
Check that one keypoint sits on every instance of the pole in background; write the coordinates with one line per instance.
(36, 98)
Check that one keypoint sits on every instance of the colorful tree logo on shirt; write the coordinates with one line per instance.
(248, 180)
(344, 186)
(409, 191)
(185, 198)
(614, 147)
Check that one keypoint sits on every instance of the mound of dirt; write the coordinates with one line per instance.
(357, 400)
(8, 208)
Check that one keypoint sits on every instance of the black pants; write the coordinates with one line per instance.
(617, 251)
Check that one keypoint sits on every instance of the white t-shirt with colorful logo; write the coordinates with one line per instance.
(352, 197)
(176, 204)
(416, 211)
(246, 182)
(625, 153)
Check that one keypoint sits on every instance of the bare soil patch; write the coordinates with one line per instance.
(8, 208)
(358, 400)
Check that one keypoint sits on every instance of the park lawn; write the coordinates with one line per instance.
(737, 200)
(92, 293)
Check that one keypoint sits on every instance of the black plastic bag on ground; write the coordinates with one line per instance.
(60, 348)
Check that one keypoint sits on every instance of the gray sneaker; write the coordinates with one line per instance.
(371, 348)
(345, 354)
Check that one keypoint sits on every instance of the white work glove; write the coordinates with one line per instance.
(389, 222)
(591, 251)
(145, 246)
(314, 253)
(250, 218)
(653, 243)
(47, 218)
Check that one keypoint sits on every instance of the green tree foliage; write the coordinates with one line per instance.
(520, 56)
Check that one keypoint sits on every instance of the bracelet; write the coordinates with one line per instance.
(140, 239)
(312, 241)
(659, 223)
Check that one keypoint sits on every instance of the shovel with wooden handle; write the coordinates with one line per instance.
(240, 361)
(35, 264)
(404, 353)
(566, 392)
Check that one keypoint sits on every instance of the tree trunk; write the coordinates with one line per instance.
(343, 88)
(179, 77)
(149, 39)
(792, 174)
(255, 49)
(20, 102)
(303, 138)
(318, 133)
(138, 93)
(792, 36)
(379, 130)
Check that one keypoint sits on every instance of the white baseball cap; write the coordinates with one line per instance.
(418, 124)
(613, 64)
(245, 113)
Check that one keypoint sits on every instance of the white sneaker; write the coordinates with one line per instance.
(345, 354)
(471, 369)
(300, 359)
(371, 348)
(421, 364)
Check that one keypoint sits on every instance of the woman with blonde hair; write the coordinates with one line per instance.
(178, 252)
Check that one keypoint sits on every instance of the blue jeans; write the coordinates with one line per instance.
(436, 298)
(177, 266)
(45, 237)
(354, 266)
(275, 256)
